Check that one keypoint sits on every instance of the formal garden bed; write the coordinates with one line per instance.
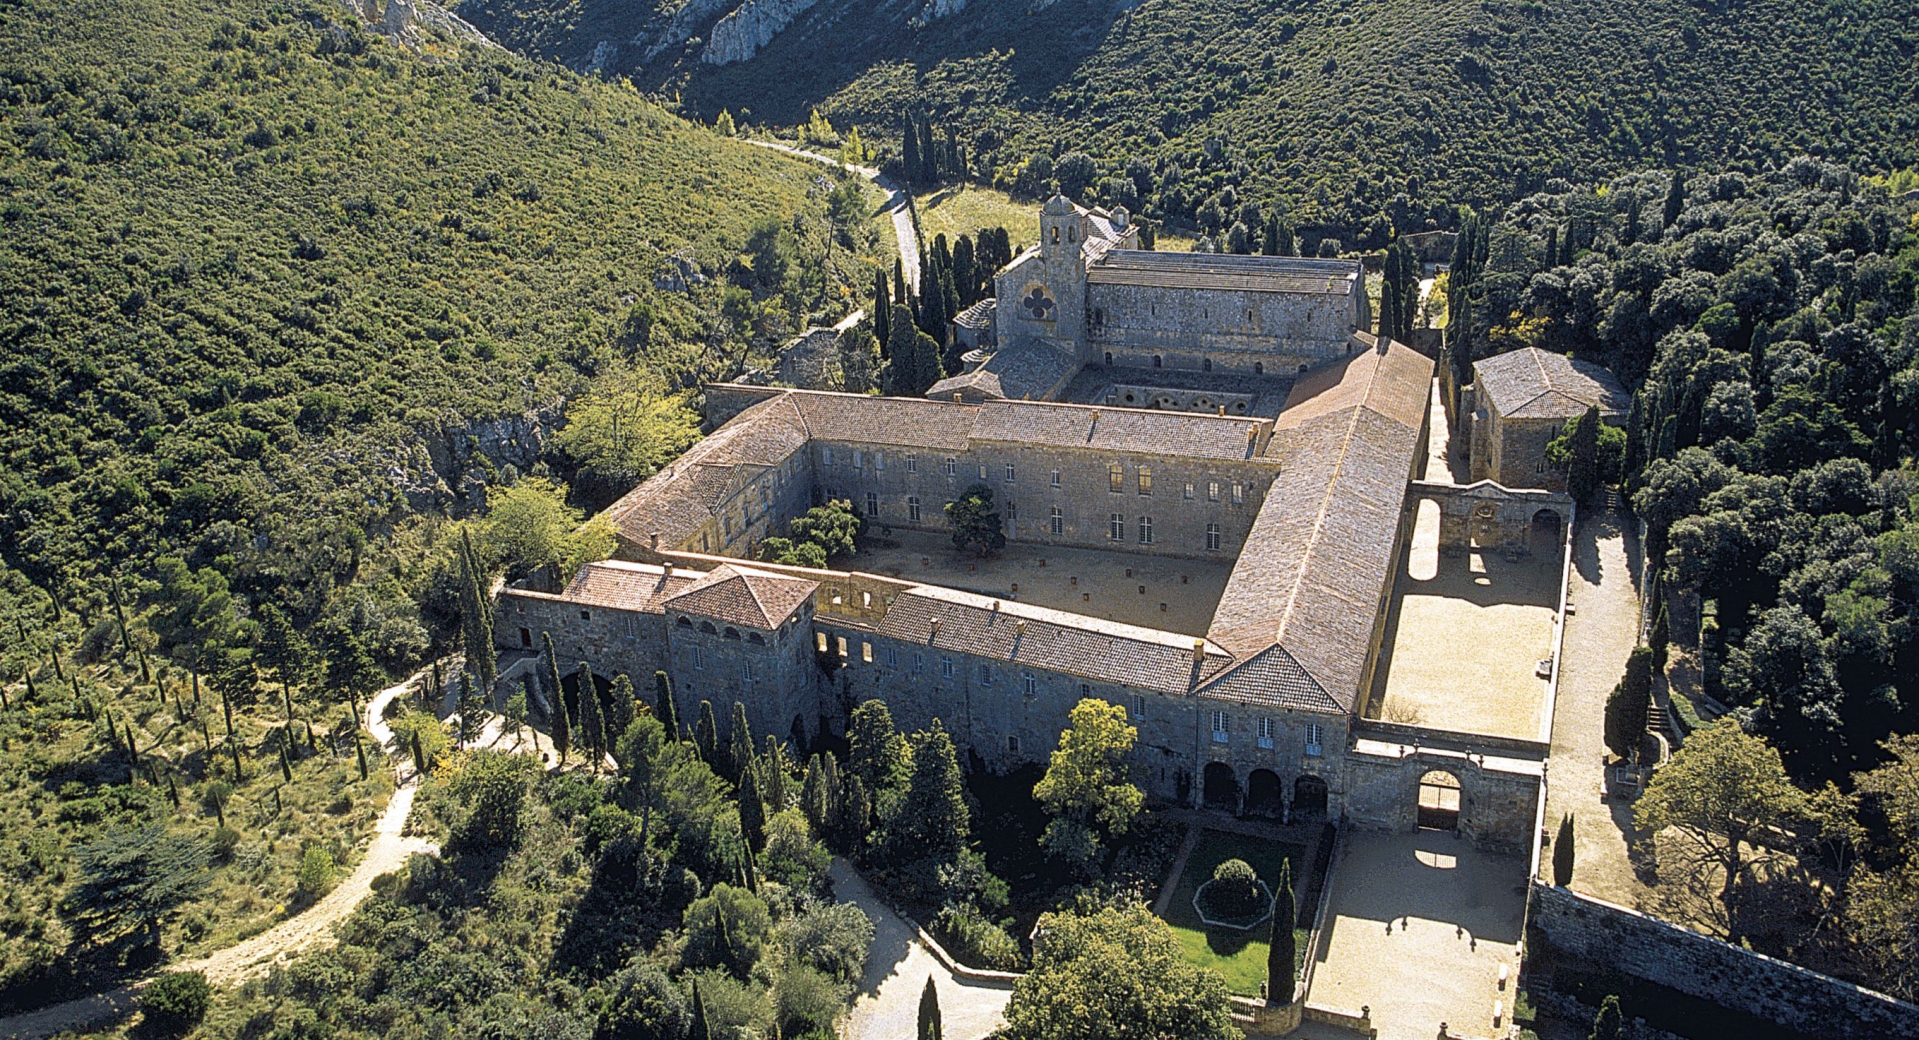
(1236, 948)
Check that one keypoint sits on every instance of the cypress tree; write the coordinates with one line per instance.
(1563, 852)
(856, 814)
(965, 273)
(226, 707)
(1609, 1024)
(927, 368)
(1269, 241)
(173, 791)
(1552, 246)
(813, 796)
(1280, 952)
(33, 694)
(1582, 474)
(899, 284)
(663, 705)
(133, 747)
(592, 719)
(706, 734)
(929, 1011)
(477, 618)
(701, 1028)
(562, 726)
(882, 314)
(621, 708)
(466, 708)
(1388, 296)
(359, 751)
(932, 299)
(53, 655)
(120, 614)
(419, 755)
(910, 151)
(1630, 233)
(752, 865)
(286, 765)
(1675, 198)
(773, 766)
(752, 810)
(832, 796)
(739, 745)
(1287, 245)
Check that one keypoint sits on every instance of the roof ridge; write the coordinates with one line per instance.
(1319, 527)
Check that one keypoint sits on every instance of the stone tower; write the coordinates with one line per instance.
(1060, 307)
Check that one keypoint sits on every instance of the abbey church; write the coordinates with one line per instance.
(1221, 429)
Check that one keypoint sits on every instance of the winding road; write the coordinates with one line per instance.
(896, 203)
(249, 958)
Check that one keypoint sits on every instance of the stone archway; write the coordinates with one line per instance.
(1264, 793)
(1309, 795)
(1439, 801)
(1543, 536)
(1220, 788)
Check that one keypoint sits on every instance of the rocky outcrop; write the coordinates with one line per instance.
(680, 28)
(601, 61)
(412, 23)
(938, 9)
(752, 25)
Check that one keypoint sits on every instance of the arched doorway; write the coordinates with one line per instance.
(1439, 801)
(1264, 794)
(1221, 788)
(1544, 536)
(1309, 795)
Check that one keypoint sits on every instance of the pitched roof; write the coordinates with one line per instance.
(1530, 383)
(979, 315)
(682, 497)
(1190, 434)
(910, 422)
(1023, 634)
(1270, 677)
(1394, 382)
(1282, 274)
(618, 585)
(1320, 557)
(740, 596)
(1025, 370)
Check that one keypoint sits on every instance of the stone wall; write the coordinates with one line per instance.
(614, 642)
(1487, 516)
(1579, 932)
(1083, 494)
(774, 678)
(1186, 328)
(1498, 794)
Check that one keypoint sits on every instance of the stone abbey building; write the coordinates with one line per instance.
(1169, 407)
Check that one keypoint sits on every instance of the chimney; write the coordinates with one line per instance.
(936, 628)
(956, 397)
(1019, 627)
(1222, 409)
(1199, 651)
(653, 542)
(996, 606)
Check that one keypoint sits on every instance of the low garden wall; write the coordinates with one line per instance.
(1577, 933)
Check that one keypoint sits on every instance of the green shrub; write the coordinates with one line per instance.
(316, 873)
(976, 941)
(1234, 890)
(176, 1001)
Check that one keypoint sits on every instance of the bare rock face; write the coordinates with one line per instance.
(681, 27)
(410, 23)
(752, 25)
(938, 9)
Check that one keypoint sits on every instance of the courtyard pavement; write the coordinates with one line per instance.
(1421, 923)
(1080, 581)
(1600, 635)
(887, 1005)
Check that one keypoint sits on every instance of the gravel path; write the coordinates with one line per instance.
(896, 204)
(887, 1006)
(312, 927)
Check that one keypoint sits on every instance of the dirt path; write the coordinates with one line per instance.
(888, 1002)
(312, 927)
(896, 204)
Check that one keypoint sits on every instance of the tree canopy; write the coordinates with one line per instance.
(1115, 973)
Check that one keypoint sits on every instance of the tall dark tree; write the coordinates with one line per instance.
(882, 313)
(1269, 239)
(621, 706)
(476, 617)
(1280, 948)
(131, 881)
(752, 809)
(702, 1028)
(976, 524)
(1582, 472)
(592, 717)
(1675, 198)
(562, 726)
(899, 286)
(1563, 852)
(965, 272)
(910, 151)
(1630, 704)
(1608, 1024)
(664, 706)
(933, 820)
(740, 753)
(929, 1026)
(1630, 233)
(706, 735)
(1552, 247)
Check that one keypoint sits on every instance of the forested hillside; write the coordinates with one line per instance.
(1342, 112)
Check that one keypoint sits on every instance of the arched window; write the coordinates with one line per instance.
(707, 627)
(1109, 359)
(1072, 234)
(731, 632)
(1259, 368)
(1205, 364)
(684, 622)
(756, 639)
(1056, 236)
(1158, 362)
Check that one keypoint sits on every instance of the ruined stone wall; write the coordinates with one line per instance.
(614, 642)
(1497, 807)
(1235, 330)
(1083, 494)
(1589, 934)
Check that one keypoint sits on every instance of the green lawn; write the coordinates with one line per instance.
(963, 209)
(1239, 956)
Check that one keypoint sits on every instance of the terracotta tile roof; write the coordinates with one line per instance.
(681, 498)
(1283, 274)
(1321, 554)
(905, 421)
(1188, 434)
(1530, 383)
(1395, 382)
(1053, 640)
(739, 596)
(618, 585)
(1274, 678)
(1024, 371)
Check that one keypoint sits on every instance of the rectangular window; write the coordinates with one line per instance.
(913, 509)
(985, 675)
(1139, 707)
(1056, 478)
(1012, 745)
(919, 663)
(1058, 521)
(1115, 478)
(826, 456)
(952, 467)
(1212, 491)
(1212, 537)
(1145, 530)
(946, 667)
(1312, 739)
(1146, 480)
(699, 658)
(1031, 683)
(746, 670)
(842, 647)
(866, 651)
(1085, 690)
(1187, 494)
(859, 459)
(879, 460)
(872, 504)
(1219, 727)
(1116, 527)
(912, 464)
(1266, 734)
(1009, 473)
(982, 471)
(819, 641)
(1239, 493)
(892, 657)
